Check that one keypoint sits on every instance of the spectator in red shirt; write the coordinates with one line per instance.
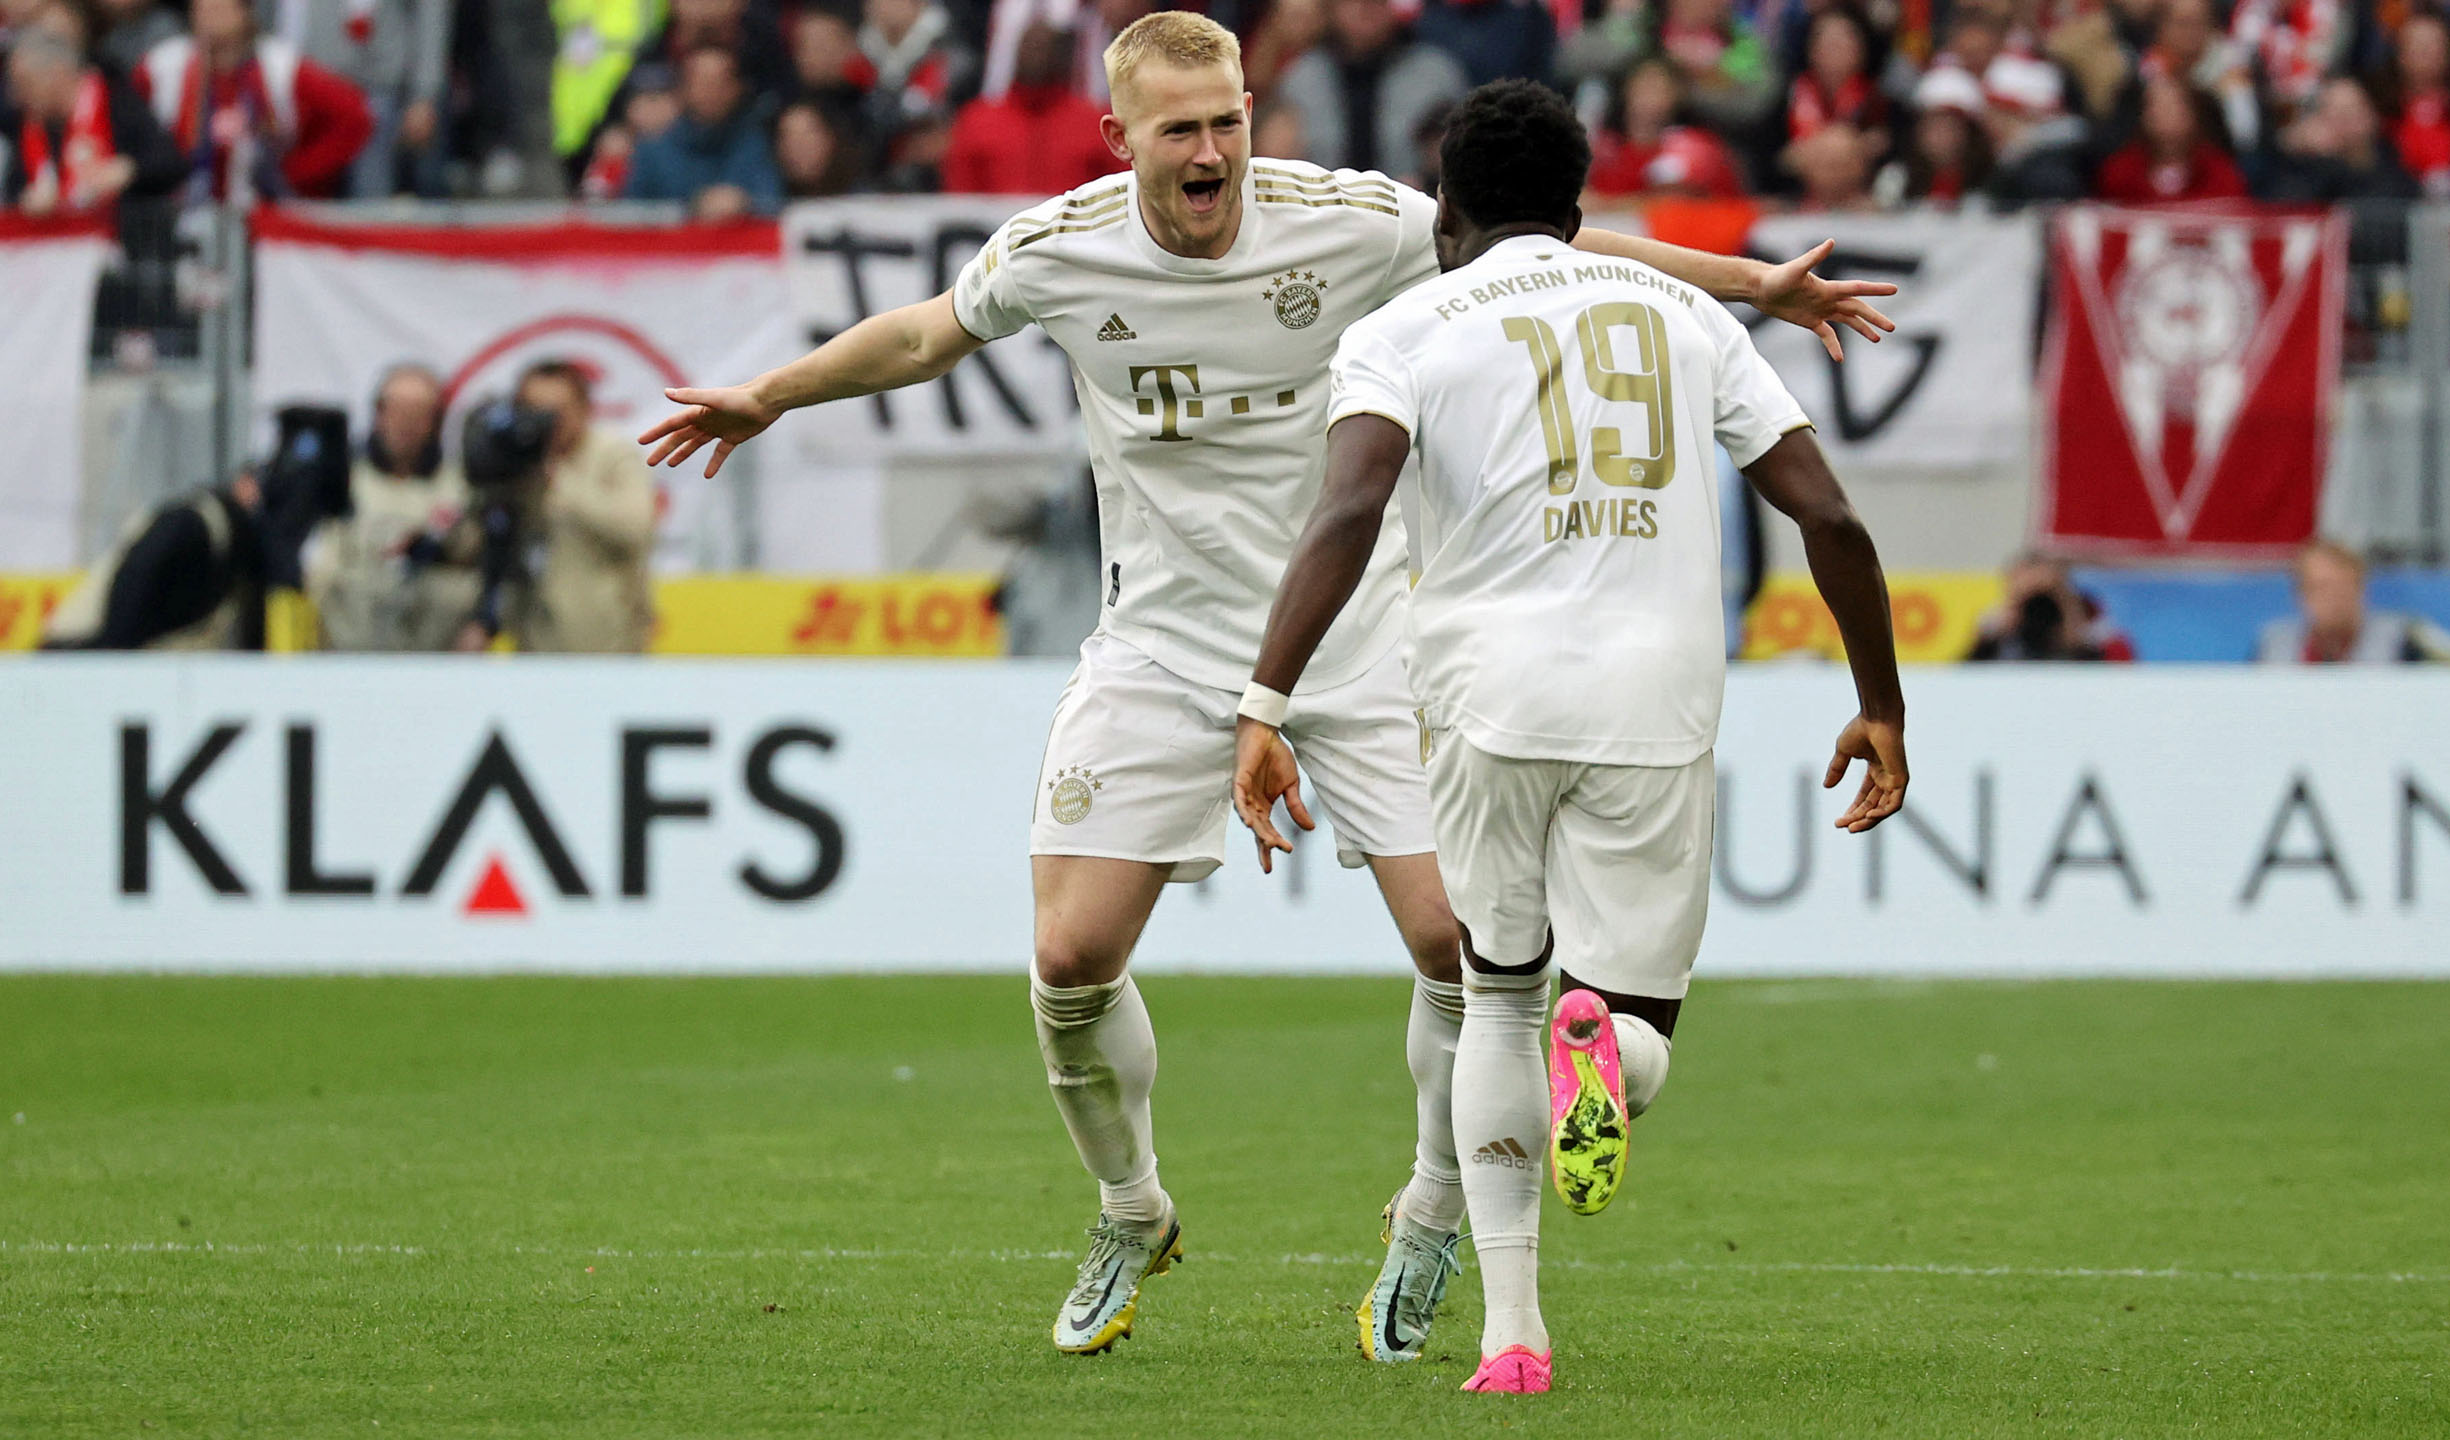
(226, 91)
(82, 138)
(2420, 122)
(1836, 85)
(1647, 149)
(2175, 154)
(1947, 157)
(1040, 138)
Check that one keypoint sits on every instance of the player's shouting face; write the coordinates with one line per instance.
(1186, 132)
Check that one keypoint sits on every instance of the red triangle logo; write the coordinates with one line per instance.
(494, 894)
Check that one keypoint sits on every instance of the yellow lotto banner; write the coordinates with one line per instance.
(1936, 615)
(28, 600)
(943, 616)
(953, 615)
(936, 616)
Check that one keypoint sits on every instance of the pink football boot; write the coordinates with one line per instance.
(1515, 1370)
(1586, 1105)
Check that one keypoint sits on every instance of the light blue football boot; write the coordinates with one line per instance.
(1395, 1316)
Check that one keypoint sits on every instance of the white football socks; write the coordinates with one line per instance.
(1643, 1053)
(1501, 1128)
(1101, 1062)
(1435, 1196)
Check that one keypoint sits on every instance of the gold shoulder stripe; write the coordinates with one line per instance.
(1288, 197)
(1074, 216)
(1289, 187)
(1096, 211)
(1324, 177)
(1104, 200)
(1382, 189)
(1053, 230)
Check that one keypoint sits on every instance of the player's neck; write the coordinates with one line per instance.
(1171, 239)
(1479, 242)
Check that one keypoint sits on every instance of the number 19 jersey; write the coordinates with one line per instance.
(1563, 407)
(1203, 392)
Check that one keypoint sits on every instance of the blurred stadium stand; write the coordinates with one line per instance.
(169, 407)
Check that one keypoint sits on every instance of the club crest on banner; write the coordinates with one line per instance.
(2189, 375)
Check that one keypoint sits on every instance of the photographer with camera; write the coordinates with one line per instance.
(568, 530)
(596, 522)
(194, 573)
(2045, 617)
(399, 574)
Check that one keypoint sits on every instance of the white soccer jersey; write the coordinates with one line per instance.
(1563, 406)
(1203, 388)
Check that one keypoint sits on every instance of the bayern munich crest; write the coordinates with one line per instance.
(1297, 298)
(1071, 792)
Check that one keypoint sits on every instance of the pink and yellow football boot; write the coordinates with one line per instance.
(1587, 1122)
(1515, 1370)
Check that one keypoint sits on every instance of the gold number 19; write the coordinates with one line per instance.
(1652, 385)
(1556, 423)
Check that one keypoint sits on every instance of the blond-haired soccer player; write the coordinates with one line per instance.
(1200, 296)
(1568, 648)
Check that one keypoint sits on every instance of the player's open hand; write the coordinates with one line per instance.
(1881, 746)
(1791, 292)
(724, 417)
(1263, 772)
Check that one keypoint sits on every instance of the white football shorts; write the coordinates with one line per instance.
(1614, 858)
(1139, 764)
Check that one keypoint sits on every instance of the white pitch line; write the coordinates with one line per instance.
(1014, 1256)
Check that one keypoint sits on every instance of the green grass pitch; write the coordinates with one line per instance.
(845, 1207)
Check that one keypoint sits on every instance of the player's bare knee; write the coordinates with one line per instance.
(1437, 950)
(1066, 962)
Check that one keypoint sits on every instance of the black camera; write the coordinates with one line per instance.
(2040, 622)
(502, 448)
(502, 444)
(303, 482)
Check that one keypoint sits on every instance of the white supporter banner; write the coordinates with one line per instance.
(846, 260)
(1952, 389)
(451, 815)
(47, 273)
(338, 304)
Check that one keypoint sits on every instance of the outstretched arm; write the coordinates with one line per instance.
(908, 346)
(1794, 476)
(1789, 292)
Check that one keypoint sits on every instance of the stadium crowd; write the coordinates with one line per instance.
(734, 106)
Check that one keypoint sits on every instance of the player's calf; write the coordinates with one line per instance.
(1498, 1115)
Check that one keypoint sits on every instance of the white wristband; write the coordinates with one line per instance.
(1264, 705)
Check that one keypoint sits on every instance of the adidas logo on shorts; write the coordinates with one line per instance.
(1115, 329)
(1505, 1152)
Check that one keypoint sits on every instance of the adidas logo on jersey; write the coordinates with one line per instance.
(1115, 329)
(1505, 1152)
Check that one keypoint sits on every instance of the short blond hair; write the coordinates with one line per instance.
(1180, 38)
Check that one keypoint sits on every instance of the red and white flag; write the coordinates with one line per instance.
(338, 304)
(2189, 374)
